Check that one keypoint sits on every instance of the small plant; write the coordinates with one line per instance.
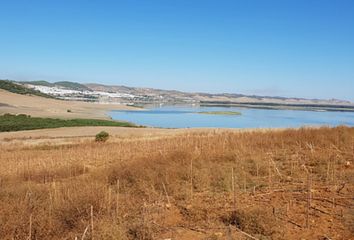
(102, 136)
(254, 221)
(69, 110)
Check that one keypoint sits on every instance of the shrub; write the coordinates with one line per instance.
(255, 221)
(102, 136)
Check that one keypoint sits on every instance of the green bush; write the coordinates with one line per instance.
(102, 136)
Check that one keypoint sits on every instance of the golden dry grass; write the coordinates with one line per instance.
(288, 184)
(45, 107)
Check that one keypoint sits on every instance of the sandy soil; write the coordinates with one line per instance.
(45, 107)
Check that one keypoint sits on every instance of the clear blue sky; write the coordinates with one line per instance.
(302, 48)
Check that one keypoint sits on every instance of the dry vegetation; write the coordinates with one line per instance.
(53, 108)
(291, 184)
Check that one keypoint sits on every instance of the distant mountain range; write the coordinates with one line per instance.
(139, 96)
(219, 97)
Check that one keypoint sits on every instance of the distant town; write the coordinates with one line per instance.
(139, 96)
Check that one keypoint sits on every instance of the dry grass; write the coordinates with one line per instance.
(180, 187)
(45, 107)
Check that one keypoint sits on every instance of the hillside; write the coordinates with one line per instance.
(64, 84)
(20, 89)
(217, 97)
(93, 92)
(49, 107)
(72, 85)
(39, 83)
(151, 95)
(285, 184)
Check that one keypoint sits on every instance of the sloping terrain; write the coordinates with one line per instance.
(45, 107)
(135, 95)
(65, 84)
(141, 96)
(208, 98)
(20, 89)
(290, 184)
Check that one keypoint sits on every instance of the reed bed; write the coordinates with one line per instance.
(288, 184)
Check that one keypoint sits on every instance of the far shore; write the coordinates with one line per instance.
(221, 113)
(281, 106)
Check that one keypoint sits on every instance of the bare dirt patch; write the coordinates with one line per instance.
(5, 105)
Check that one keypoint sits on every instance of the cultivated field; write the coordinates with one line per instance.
(205, 184)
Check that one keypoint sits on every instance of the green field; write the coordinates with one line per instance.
(9, 123)
(221, 113)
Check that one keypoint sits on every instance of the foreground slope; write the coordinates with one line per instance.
(206, 184)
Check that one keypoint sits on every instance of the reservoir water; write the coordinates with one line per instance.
(189, 116)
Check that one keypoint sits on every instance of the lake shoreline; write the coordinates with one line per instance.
(193, 116)
(279, 106)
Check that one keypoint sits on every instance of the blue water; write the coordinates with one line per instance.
(186, 117)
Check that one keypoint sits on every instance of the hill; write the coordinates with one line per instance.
(39, 83)
(64, 84)
(72, 85)
(20, 89)
(50, 107)
(93, 92)
(151, 95)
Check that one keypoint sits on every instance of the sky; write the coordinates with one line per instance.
(294, 48)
